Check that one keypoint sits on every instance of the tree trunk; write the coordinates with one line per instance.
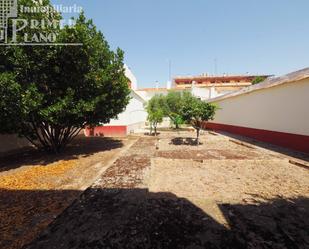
(150, 132)
(155, 129)
(51, 139)
(197, 136)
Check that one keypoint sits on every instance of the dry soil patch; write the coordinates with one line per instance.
(35, 187)
(145, 200)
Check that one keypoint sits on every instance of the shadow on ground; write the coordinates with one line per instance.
(24, 214)
(184, 141)
(151, 134)
(136, 218)
(81, 146)
(267, 146)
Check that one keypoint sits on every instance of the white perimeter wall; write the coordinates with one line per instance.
(206, 92)
(283, 108)
(147, 95)
(201, 92)
(135, 113)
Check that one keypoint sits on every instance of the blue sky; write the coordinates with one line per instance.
(255, 36)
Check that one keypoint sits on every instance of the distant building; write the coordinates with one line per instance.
(203, 86)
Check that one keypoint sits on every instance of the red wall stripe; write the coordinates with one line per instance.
(106, 131)
(288, 140)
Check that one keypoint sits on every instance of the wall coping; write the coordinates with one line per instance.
(271, 82)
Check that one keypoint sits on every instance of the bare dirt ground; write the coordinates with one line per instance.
(172, 194)
(35, 187)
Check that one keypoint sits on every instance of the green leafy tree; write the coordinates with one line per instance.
(172, 107)
(258, 80)
(155, 112)
(52, 92)
(10, 92)
(195, 112)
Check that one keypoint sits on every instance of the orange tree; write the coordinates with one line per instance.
(155, 112)
(171, 106)
(195, 111)
(50, 93)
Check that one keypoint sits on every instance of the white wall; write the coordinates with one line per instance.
(131, 77)
(283, 108)
(134, 113)
(203, 93)
(200, 92)
(147, 95)
(206, 93)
